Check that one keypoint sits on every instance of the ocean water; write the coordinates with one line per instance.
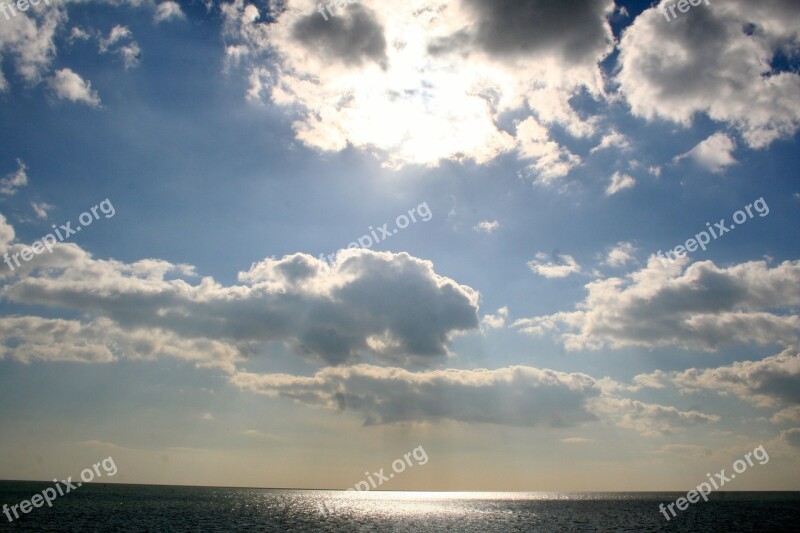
(153, 509)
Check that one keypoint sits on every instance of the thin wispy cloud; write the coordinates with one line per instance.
(11, 183)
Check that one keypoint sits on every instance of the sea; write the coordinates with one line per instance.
(99, 507)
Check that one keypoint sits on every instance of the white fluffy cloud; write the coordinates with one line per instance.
(619, 182)
(713, 154)
(613, 139)
(496, 321)
(701, 306)
(6, 234)
(549, 160)
(27, 42)
(70, 86)
(715, 61)
(620, 255)
(560, 266)
(168, 10)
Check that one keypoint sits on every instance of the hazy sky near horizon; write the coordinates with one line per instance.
(322, 239)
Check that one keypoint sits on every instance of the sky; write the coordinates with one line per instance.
(271, 244)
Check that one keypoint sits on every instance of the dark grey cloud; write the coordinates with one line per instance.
(516, 396)
(511, 396)
(574, 30)
(352, 36)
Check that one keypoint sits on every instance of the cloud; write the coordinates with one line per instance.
(513, 396)
(130, 53)
(576, 440)
(260, 434)
(41, 209)
(28, 339)
(487, 226)
(713, 154)
(496, 321)
(27, 42)
(701, 306)
(649, 420)
(560, 267)
(791, 437)
(70, 86)
(771, 382)
(683, 449)
(619, 182)
(354, 36)
(335, 314)
(550, 161)
(441, 76)
(621, 255)
(6, 234)
(208, 417)
(718, 62)
(520, 396)
(613, 139)
(94, 443)
(118, 33)
(168, 10)
(570, 32)
(78, 34)
(11, 183)
(789, 414)
(648, 381)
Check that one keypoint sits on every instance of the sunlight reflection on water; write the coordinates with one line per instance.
(152, 508)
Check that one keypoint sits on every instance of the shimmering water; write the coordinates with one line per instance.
(148, 508)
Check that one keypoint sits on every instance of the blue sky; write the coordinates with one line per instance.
(522, 329)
